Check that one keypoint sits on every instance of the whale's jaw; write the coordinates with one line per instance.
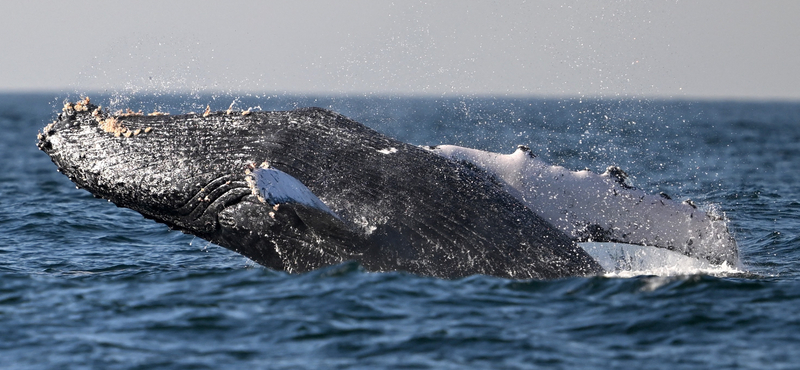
(362, 196)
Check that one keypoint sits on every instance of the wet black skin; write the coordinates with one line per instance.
(410, 210)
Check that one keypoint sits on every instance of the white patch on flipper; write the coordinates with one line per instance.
(573, 200)
(275, 187)
(627, 260)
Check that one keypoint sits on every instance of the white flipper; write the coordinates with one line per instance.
(588, 206)
(626, 260)
(276, 187)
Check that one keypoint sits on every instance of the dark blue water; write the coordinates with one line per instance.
(84, 284)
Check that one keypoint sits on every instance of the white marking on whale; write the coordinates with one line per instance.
(388, 150)
(275, 187)
(627, 260)
(580, 202)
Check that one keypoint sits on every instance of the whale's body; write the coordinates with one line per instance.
(303, 189)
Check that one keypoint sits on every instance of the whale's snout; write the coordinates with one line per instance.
(143, 163)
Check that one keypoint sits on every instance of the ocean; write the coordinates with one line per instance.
(87, 285)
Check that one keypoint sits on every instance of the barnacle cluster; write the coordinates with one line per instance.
(111, 123)
(108, 123)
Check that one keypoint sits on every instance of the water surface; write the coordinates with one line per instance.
(84, 284)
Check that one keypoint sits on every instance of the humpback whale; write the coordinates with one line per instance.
(302, 189)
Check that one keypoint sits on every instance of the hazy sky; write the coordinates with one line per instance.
(682, 49)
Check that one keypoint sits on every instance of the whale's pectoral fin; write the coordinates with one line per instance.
(283, 192)
(295, 221)
(323, 223)
(276, 187)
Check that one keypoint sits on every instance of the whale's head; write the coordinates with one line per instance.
(164, 168)
(204, 174)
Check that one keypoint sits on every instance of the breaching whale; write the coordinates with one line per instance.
(302, 189)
